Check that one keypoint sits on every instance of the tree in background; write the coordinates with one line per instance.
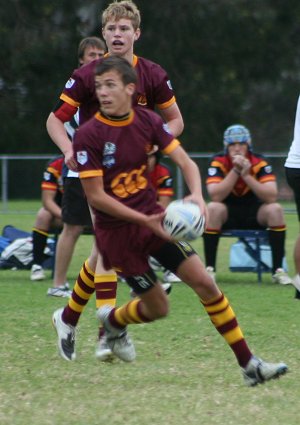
(229, 61)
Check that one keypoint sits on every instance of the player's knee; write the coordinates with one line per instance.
(158, 309)
(276, 213)
(217, 212)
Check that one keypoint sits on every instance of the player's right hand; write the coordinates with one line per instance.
(70, 160)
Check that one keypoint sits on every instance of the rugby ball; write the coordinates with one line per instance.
(184, 221)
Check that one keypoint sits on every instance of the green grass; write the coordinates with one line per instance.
(184, 372)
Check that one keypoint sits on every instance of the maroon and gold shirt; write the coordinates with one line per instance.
(153, 88)
(117, 151)
(221, 164)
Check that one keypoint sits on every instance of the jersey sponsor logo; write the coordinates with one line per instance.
(69, 83)
(126, 184)
(47, 176)
(166, 128)
(268, 169)
(108, 154)
(212, 171)
(169, 85)
(82, 157)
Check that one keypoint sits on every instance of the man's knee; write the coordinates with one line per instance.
(72, 231)
(274, 214)
(217, 212)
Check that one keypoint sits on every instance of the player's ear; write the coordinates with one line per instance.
(130, 88)
(137, 34)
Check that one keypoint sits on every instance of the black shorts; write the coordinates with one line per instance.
(58, 198)
(243, 216)
(170, 256)
(75, 210)
(293, 179)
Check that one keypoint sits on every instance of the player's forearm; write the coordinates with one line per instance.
(58, 134)
(103, 202)
(219, 191)
(192, 177)
(266, 192)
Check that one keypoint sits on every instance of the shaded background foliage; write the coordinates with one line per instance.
(228, 60)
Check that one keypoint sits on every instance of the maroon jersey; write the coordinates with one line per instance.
(153, 88)
(117, 151)
(162, 180)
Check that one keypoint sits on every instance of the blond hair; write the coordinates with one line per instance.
(122, 10)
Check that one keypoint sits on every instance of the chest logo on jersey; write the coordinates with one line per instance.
(69, 83)
(109, 154)
(212, 171)
(82, 157)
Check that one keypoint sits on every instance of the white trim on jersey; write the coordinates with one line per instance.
(293, 159)
(71, 127)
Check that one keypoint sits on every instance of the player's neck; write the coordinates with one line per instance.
(129, 56)
(116, 117)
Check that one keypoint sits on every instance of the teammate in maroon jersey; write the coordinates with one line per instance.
(120, 30)
(111, 151)
(75, 211)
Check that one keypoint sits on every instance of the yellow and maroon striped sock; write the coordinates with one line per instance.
(128, 313)
(82, 292)
(223, 318)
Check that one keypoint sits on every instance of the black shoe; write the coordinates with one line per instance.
(297, 294)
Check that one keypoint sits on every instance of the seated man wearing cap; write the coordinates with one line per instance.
(243, 193)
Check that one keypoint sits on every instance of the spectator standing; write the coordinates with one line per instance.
(292, 171)
(75, 211)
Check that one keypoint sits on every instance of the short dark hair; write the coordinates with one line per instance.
(90, 42)
(121, 65)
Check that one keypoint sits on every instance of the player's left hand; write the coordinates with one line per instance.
(200, 202)
(246, 167)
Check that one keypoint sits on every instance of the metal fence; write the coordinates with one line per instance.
(21, 175)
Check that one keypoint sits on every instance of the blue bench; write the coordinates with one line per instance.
(252, 239)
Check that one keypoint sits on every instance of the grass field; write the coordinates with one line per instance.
(184, 371)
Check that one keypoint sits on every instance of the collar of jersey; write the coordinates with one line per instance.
(115, 122)
(134, 60)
